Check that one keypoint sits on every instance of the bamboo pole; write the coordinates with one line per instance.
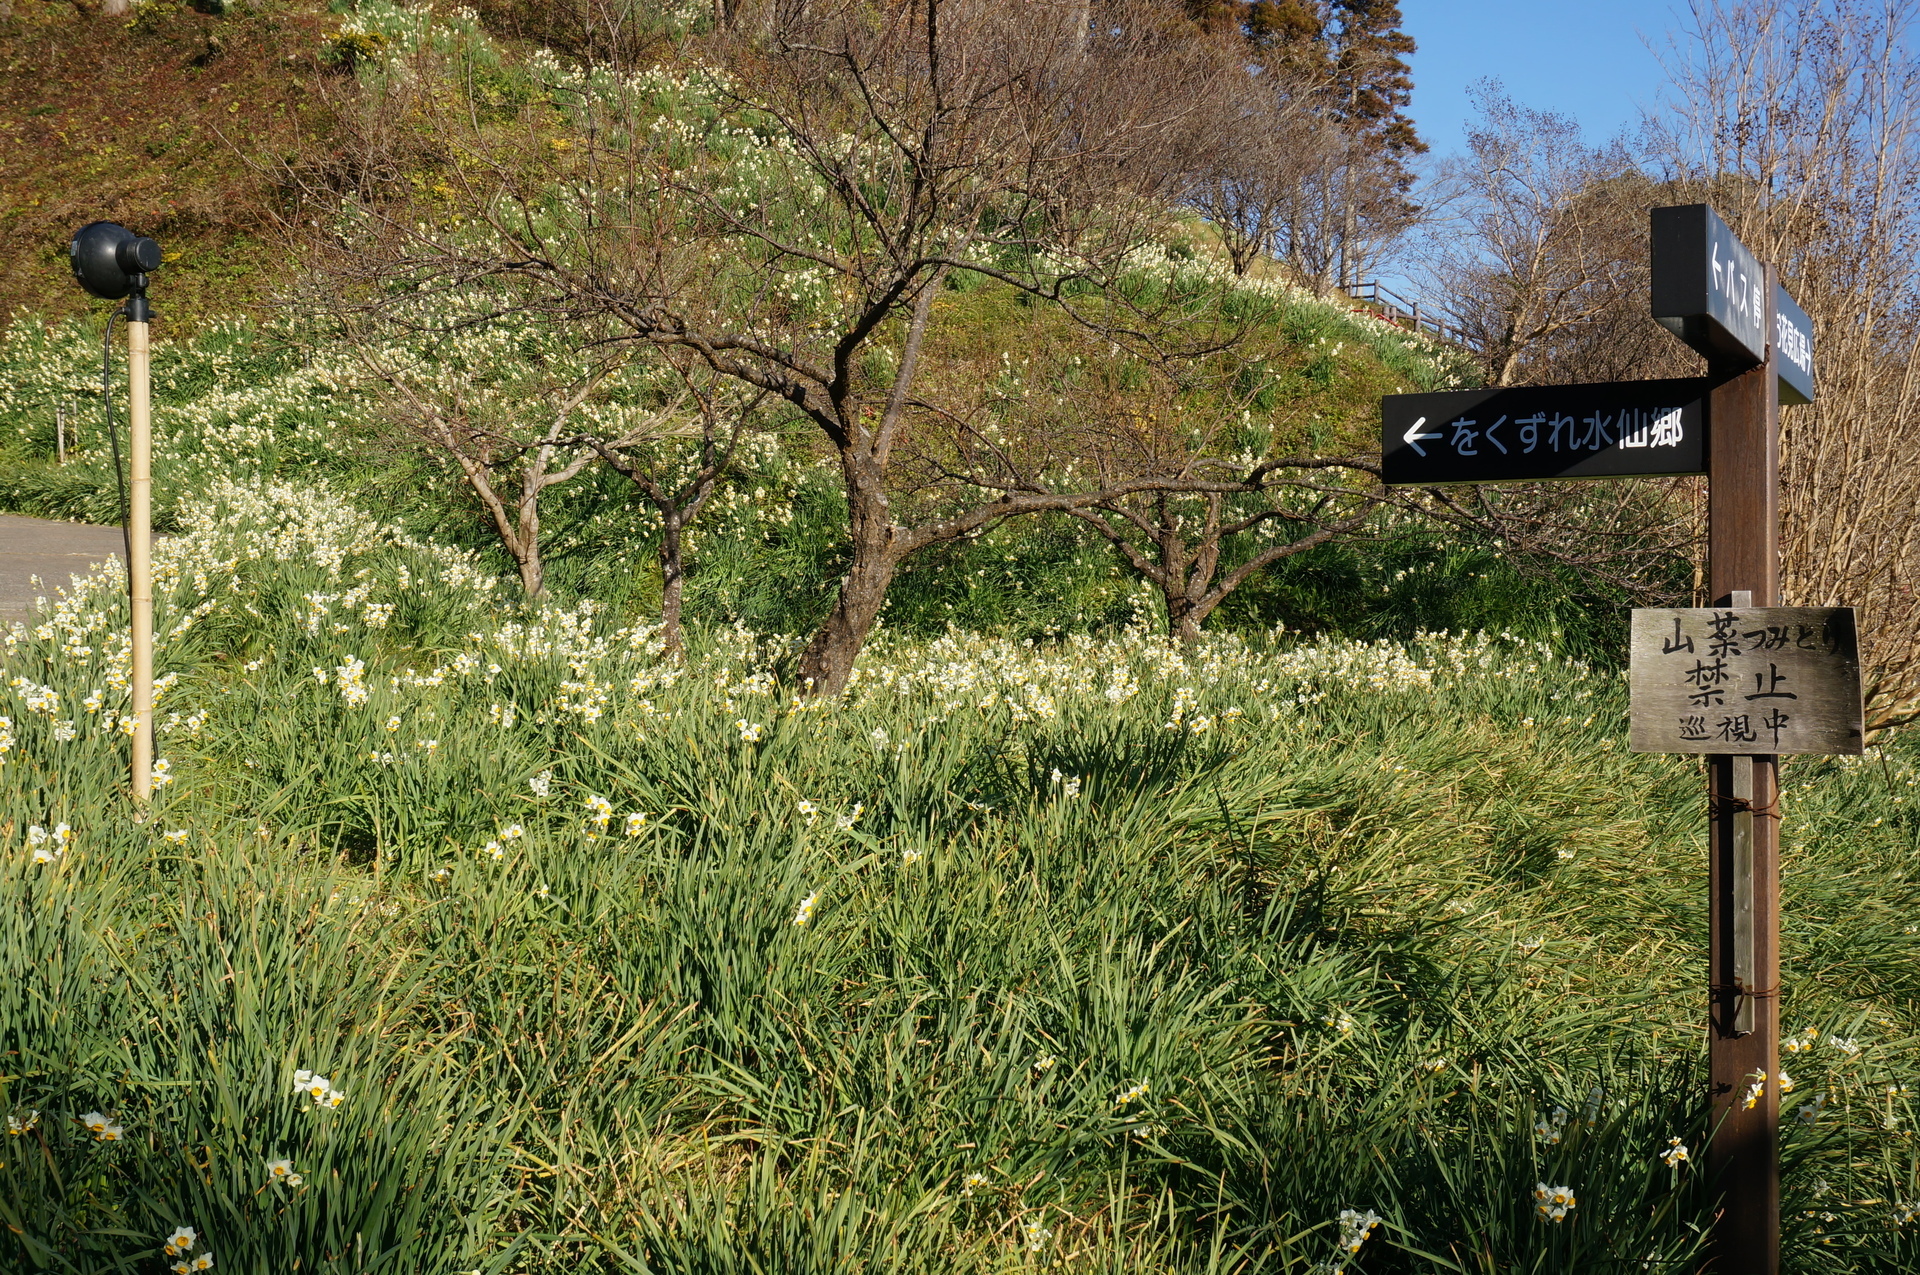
(140, 550)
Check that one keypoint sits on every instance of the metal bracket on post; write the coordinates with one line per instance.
(1745, 958)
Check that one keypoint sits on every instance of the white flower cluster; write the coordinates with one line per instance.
(1355, 1226)
(1810, 1111)
(46, 846)
(180, 1246)
(280, 1172)
(322, 1091)
(1553, 1202)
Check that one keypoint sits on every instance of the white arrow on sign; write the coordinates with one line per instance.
(1412, 434)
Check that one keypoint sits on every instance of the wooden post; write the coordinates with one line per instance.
(1743, 518)
(140, 550)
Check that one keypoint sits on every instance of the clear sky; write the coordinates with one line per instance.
(1589, 60)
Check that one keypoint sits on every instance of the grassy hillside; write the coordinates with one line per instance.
(1076, 955)
(241, 400)
(159, 122)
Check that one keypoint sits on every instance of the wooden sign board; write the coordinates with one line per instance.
(1622, 429)
(1746, 680)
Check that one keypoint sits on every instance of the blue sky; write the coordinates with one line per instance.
(1587, 60)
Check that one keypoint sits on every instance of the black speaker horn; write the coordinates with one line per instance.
(111, 261)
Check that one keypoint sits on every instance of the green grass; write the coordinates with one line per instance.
(1132, 960)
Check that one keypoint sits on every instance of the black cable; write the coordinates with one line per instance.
(113, 440)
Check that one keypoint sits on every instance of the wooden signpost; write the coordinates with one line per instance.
(1740, 682)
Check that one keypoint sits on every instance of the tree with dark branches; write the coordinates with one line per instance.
(814, 231)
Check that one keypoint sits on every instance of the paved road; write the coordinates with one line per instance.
(51, 550)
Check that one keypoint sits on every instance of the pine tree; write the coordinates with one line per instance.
(1293, 30)
(1354, 48)
(1372, 81)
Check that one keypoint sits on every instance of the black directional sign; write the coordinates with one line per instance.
(1618, 430)
(1708, 289)
(1792, 348)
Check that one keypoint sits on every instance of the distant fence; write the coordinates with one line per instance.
(1411, 315)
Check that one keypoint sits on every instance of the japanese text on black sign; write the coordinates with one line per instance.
(1557, 432)
(1515, 435)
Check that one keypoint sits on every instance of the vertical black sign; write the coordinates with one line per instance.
(1792, 348)
(1708, 289)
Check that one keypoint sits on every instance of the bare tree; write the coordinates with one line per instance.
(484, 399)
(1198, 549)
(811, 231)
(1801, 124)
(1272, 150)
(1541, 251)
(1537, 245)
(1636, 540)
(678, 484)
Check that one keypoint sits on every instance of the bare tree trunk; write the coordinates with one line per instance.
(1184, 617)
(533, 572)
(827, 662)
(522, 541)
(113, 8)
(673, 580)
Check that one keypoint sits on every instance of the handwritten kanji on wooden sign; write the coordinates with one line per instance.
(1753, 680)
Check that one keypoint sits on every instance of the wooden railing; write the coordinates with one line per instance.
(1412, 315)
